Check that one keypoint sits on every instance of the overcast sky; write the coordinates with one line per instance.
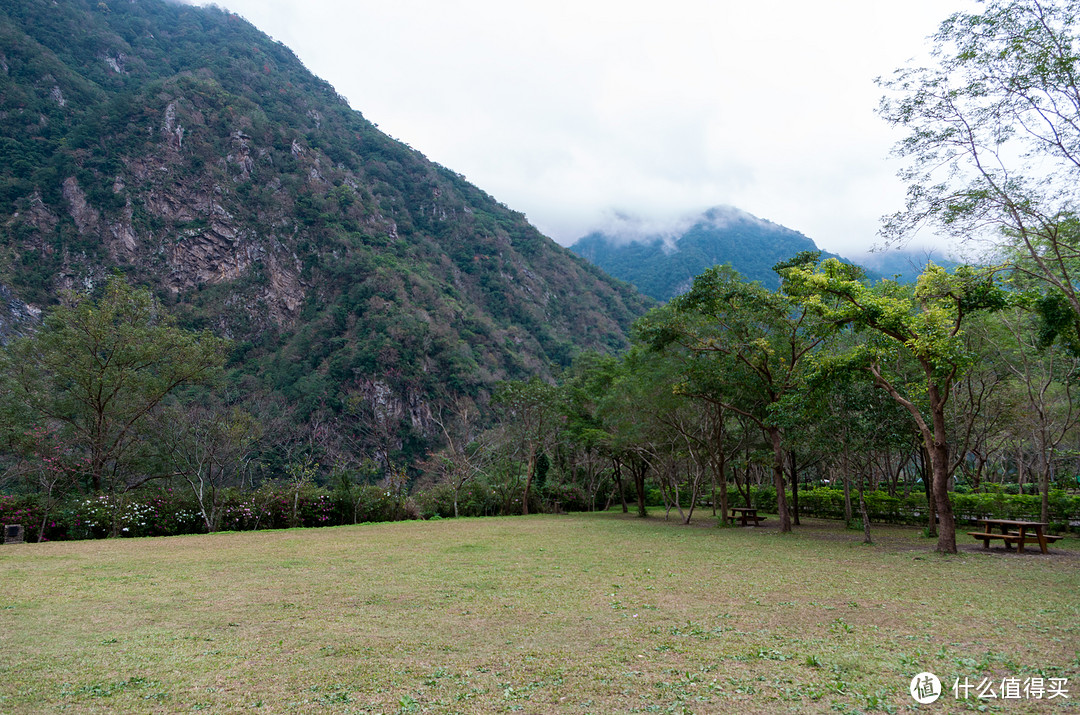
(573, 112)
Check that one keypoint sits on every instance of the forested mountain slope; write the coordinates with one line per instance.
(664, 264)
(189, 150)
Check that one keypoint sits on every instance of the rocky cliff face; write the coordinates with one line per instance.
(182, 146)
(16, 317)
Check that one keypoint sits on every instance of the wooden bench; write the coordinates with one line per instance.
(747, 518)
(1007, 538)
(1050, 538)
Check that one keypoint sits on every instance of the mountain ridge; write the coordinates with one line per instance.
(662, 262)
(662, 258)
(184, 147)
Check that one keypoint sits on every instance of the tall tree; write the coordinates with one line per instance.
(994, 141)
(531, 410)
(100, 367)
(208, 445)
(923, 325)
(1047, 385)
(467, 449)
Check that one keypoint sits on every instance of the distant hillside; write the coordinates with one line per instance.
(663, 265)
(189, 150)
(904, 265)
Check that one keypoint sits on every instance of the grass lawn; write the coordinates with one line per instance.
(586, 613)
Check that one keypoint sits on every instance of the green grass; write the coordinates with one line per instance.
(583, 613)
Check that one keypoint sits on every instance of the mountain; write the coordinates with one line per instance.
(190, 151)
(904, 265)
(662, 263)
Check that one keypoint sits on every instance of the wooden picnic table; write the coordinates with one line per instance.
(745, 515)
(1014, 532)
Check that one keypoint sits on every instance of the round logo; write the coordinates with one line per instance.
(925, 688)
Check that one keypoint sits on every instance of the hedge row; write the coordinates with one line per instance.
(167, 512)
(828, 503)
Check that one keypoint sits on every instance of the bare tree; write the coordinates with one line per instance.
(208, 446)
(467, 452)
(1047, 382)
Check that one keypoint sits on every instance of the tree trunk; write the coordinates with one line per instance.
(846, 478)
(939, 462)
(1020, 472)
(946, 524)
(794, 487)
(778, 480)
(865, 515)
(1044, 487)
(721, 476)
(719, 462)
(528, 482)
(931, 506)
(618, 482)
(638, 470)
(715, 496)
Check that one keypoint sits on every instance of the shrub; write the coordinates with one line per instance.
(436, 501)
(569, 497)
(159, 513)
(27, 512)
(828, 503)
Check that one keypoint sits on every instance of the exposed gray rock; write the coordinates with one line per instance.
(16, 317)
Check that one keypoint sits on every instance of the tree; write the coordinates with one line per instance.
(983, 407)
(100, 367)
(851, 425)
(620, 430)
(532, 415)
(923, 325)
(208, 445)
(54, 467)
(1047, 386)
(744, 347)
(586, 384)
(467, 449)
(670, 432)
(994, 142)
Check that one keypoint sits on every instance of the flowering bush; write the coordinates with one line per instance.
(151, 514)
(27, 512)
(240, 512)
(317, 508)
(167, 511)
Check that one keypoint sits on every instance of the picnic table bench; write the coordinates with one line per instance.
(745, 515)
(1014, 532)
(1050, 538)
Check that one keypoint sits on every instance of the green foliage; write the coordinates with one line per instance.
(1058, 322)
(100, 368)
(992, 136)
(828, 503)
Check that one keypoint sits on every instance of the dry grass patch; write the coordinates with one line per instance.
(583, 613)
